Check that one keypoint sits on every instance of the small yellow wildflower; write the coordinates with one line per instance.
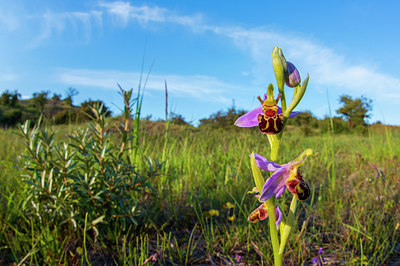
(229, 205)
(213, 212)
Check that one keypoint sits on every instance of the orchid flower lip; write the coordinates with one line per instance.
(284, 176)
(250, 119)
(261, 213)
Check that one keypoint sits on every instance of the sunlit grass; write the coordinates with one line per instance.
(356, 222)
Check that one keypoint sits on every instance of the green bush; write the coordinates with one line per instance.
(84, 182)
(10, 117)
(222, 119)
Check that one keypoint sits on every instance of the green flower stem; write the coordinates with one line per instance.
(283, 100)
(273, 231)
(275, 141)
(289, 225)
(259, 181)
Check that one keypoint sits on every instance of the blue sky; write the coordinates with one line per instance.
(209, 52)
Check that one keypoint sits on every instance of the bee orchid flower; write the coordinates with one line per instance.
(261, 213)
(284, 176)
(260, 115)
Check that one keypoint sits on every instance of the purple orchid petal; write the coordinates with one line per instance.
(274, 184)
(292, 114)
(280, 192)
(249, 119)
(266, 165)
(278, 217)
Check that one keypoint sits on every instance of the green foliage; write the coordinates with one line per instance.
(90, 174)
(56, 97)
(79, 114)
(339, 125)
(306, 122)
(86, 106)
(178, 119)
(9, 99)
(71, 92)
(39, 100)
(222, 119)
(355, 111)
(10, 117)
(360, 220)
(54, 109)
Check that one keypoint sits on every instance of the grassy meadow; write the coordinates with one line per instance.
(353, 212)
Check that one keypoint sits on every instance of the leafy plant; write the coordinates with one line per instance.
(355, 110)
(86, 181)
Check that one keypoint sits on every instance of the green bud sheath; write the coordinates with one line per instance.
(258, 178)
(280, 67)
(298, 95)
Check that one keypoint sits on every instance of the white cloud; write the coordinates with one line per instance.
(123, 12)
(197, 86)
(53, 23)
(328, 68)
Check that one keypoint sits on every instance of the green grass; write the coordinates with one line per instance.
(355, 221)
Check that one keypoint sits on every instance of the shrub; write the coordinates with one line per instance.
(222, 119)
(10, 117)
(86, 181)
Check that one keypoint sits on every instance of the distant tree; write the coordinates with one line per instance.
(71, 92)
(56, 97)
(305, 121)
(222, 119)
(39, 100)
(178, 119)
(340, 126)
(355, 111)
(9, 99)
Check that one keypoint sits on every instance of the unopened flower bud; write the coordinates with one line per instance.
(292, 77)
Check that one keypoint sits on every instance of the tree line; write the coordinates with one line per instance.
(57, 109)
(352, 116)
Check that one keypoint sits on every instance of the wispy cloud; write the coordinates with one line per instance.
(53, 24)
(123, 13)
(203, 87)
(329, 68)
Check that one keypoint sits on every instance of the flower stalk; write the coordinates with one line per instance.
(273, 231)
(271, 120)
(259, 181)
(289, 225)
